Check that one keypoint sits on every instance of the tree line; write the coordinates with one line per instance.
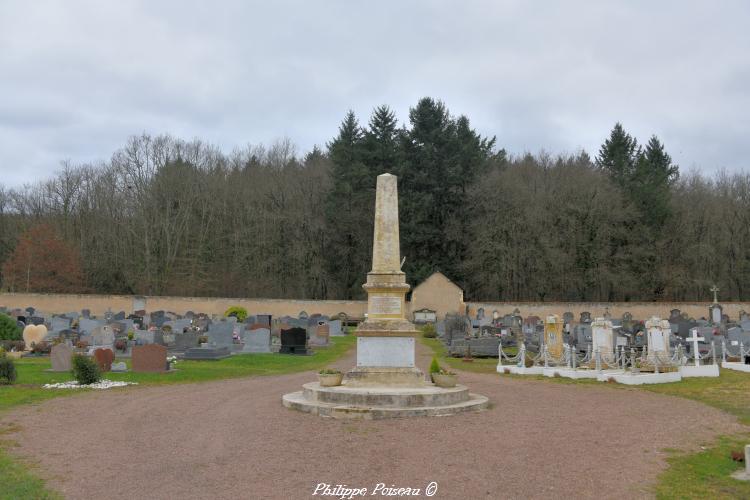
(165, 216)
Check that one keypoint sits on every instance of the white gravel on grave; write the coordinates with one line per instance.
(102, 384)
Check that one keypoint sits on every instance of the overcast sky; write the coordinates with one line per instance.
(77, 78)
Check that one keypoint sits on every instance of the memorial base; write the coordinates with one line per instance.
(346, 402)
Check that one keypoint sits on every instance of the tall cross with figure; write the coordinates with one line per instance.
(694, 338)
(715, 289)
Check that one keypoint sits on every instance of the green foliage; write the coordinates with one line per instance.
(441, 158)
(238, 312)
(329, 371)
(428, 331)
(706, 474)
(85, 370)
(9, 330)
(18, 481)
(7, 370)
(618, 156)
(434, 365)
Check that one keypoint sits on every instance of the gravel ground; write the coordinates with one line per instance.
(233, 439)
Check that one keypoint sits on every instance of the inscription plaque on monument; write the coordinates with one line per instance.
(384, 304)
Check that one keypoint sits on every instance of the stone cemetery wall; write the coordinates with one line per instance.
(639, 310)
(99, 304)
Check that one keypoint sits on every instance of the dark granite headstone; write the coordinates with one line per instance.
(294, 341)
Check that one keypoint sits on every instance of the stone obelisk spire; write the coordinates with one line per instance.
(385, 243)
(385, 347)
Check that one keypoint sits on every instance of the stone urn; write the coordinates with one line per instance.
(444, 380)
(330, 379)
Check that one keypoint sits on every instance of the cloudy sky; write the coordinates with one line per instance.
(77, 78)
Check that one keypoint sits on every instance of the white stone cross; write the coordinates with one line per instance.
(715, 289)
(694, 338)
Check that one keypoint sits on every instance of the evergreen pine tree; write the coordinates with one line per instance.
(618, 156)
(348, 211)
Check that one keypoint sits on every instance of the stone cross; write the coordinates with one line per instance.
(694, 338)
(715, 289)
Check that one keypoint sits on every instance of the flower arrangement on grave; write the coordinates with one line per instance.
(171, 360)
(121, 345)
(238, 312)
(203, 339)
(41, 347)
(131, 335)
(82, 344)
(330, 377)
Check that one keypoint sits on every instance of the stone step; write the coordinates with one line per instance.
(387, 397)
(297, 401)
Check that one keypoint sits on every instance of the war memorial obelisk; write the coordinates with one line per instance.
(386, 382)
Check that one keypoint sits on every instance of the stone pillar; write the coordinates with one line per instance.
(386, 339)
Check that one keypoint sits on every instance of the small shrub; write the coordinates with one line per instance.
(7, 370)
(556, 375)
(131, 335)
(434, 365)
(611, 380)
(202, 339)
(428, 331)
(85, 370)
(9, 329)
(506, 370)
(238, 312)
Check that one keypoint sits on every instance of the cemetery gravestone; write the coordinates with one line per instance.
(33, 334)
(334, 327)
(61, 357)
(103, 335)
(220, 334)
(104, 358)
(257, 340)
(320, 336)
(553, 335)
(602, 336)
(87, 326)
(186, 340)
(149, 358)
(657, 331)
(294, 341)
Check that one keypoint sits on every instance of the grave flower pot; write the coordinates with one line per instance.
(444, 380)
(330, 379)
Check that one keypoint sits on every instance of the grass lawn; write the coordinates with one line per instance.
(32, 374)
(704, 474)
(16, 481)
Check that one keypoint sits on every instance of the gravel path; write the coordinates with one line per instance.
(233, 439)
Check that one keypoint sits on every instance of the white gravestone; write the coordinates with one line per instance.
(602, 336)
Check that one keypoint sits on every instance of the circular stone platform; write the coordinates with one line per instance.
(383, 402)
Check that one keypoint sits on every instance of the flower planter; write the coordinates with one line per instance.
(443, 380)
(330, 379)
